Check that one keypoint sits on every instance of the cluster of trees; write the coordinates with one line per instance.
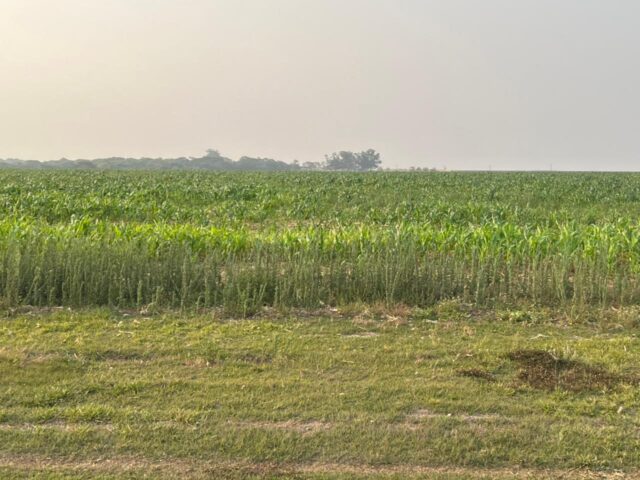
(361, 162)
(340, 161)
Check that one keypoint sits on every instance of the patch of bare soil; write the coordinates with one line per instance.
(544, 371)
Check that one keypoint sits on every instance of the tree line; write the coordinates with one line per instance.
(364, 161)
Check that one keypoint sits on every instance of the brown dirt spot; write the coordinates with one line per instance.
(419, 415)
(289, 425)
(477, 373)
(544, 371)
(362, 335)
(55, 425)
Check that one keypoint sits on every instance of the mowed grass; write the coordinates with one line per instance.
(442, 393)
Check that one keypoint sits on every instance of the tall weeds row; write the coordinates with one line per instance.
(243, 271)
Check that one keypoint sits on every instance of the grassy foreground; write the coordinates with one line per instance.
(444, 393)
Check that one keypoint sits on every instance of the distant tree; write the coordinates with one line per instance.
(341, 161)
(262, 164)
(312, 166)
(82, 164)
(211, 161)
(211, 153)
(368, 160)
(350, 161)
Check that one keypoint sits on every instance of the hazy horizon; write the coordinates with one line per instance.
(460, 84)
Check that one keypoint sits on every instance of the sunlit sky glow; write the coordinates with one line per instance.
(462, 84)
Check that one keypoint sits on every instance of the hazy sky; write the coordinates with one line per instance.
(459, 83)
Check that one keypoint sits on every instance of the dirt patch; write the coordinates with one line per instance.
(362, 335)
(289, 425)
(544, 371)
(477, 373)
(58, 426)
(429, 415)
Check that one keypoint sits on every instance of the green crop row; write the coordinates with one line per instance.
(281, 199)
(243, 241)
(618, 242)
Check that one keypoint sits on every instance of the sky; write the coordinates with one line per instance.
(456, 84)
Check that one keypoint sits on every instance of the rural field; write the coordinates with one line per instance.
(319, 325)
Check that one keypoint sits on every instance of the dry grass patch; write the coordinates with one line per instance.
(362, 335)
(289, 425)
(420, 415)
(58, 426)
(544, 371)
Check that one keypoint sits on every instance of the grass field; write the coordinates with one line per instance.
(317, 325)
(449, 392)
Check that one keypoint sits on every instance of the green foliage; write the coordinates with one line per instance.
(350, 161)
(248, 240)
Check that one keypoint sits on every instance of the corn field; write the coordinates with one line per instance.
(243, 241)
